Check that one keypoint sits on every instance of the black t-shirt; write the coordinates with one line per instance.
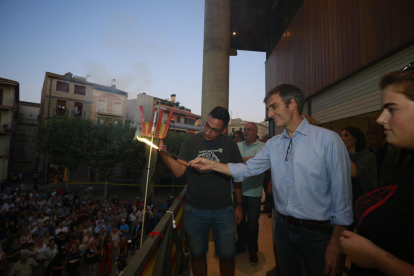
(57, 261)
(209, 190)
(92, 260)
(386, 217)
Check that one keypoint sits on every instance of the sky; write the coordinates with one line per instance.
(154, 47)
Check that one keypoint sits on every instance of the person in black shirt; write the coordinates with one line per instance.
(384, 244)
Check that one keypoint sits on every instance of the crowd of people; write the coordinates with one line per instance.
(59, 233)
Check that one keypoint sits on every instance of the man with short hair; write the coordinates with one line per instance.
(24, 267)
(208, 198)
(248, 229)
(311, 179)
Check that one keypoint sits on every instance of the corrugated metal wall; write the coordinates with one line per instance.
(359, 94)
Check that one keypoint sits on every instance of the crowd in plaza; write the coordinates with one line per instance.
(59, 233)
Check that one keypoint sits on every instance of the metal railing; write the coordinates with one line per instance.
(165, 253)
(109, 110)
(21, 137)
(27, 121)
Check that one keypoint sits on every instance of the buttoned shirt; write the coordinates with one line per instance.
(310, 181)
(253, 185)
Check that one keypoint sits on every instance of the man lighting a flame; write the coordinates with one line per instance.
(208, 200)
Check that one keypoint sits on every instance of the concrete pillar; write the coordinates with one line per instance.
(215, 90)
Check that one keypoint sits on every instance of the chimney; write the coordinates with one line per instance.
(68, 75)
(173, 98)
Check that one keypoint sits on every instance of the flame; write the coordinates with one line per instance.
(146, 141)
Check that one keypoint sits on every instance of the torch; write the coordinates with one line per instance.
(146, 141)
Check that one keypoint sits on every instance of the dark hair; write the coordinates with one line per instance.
(361, 142)
(240, 133)
(288, 93)
(404, 82)
(220, 113)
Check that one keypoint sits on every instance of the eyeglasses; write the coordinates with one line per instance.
(409, 67)
(215, 130)
(288, 150)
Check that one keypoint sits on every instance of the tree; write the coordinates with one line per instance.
(64, 140)
(74, 142)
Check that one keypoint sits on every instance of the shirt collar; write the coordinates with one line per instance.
(303, 129)
(254, 143)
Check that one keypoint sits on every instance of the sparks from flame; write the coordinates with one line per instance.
(146, 141)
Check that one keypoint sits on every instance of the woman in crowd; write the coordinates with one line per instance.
(50, 252)
(384, 244)
(123, 247)
(238, 136)
(363, 162)
(74, 261)
(92, 258)
(25, 238)
(107, 256)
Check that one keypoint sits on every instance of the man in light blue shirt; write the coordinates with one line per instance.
(311, 176)
(248, 229)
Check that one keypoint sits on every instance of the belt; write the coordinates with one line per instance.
(315, 225)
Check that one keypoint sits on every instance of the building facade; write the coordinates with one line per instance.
(75, 97)
(238, 124)
(25, 157)
(9, 97)
(182, 119)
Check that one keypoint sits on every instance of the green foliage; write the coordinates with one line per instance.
(74, 142)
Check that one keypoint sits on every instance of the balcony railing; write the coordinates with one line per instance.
(164, 254)
(5, 127)
(21, 137)
(109, 110)
(28, 122)
(7, 101)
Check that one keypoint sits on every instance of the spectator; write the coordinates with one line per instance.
(107, 255)
(92, 258)
(25, 267)
(74, 261)
(49, 254)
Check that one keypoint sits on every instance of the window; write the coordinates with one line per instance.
(1, 96)
(240, 128)
(62, 86)
(101, 106)
(117, 108)
(233, 130)
(81, 90)
(61, 107)
(189, 121)
(78, 109)
(178, 119)
(19, 151)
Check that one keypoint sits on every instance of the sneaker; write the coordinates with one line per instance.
(253, 259)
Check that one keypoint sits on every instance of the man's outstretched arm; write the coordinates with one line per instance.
(177, 167)
(203, 164)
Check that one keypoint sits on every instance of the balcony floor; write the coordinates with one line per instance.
(243, 267)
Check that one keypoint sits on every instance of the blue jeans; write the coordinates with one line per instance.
(298, 246)
(248, 229)
(197, 223)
